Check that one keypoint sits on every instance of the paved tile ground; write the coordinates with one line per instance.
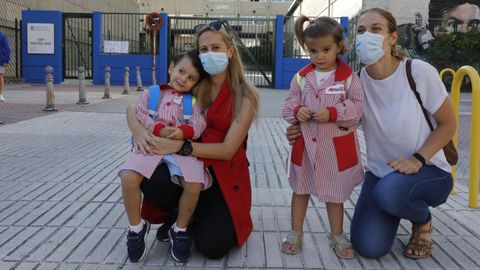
(61, 206)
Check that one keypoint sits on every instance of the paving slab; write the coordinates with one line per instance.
(61, 206)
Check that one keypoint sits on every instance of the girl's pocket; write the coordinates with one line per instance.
(346, 151)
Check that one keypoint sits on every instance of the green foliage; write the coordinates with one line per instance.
(455, 48)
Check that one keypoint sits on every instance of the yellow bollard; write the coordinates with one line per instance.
(455, 100)
(475, 126)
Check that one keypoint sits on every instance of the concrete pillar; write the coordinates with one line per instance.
(107, 82)
(126, 84)
(82, 93)
(139, 79)
(49, 93)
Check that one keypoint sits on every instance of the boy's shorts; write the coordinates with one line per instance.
(2, 69)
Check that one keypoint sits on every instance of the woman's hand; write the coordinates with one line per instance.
(406, 166)
(142, 139)
(164, 146)
(322, 116)
(293, 132)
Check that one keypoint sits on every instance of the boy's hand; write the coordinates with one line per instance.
(177, 134)
(303, 114)
(322, 116)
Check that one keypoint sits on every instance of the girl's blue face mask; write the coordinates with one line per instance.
(369, 47)
(214, 63)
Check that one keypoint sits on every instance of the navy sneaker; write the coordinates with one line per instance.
(162, 232)
(136, 243)
(181, 242)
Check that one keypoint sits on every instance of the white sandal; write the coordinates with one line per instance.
(292, 242)
(340, 243)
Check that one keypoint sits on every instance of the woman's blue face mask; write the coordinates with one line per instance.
(214, 63)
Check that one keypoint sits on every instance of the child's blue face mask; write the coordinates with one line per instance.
(214, 63)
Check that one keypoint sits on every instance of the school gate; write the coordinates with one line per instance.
(77, 44)
(118, 40)
(253, 38)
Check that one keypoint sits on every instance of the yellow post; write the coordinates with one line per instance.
(455, 100)
(475, 126)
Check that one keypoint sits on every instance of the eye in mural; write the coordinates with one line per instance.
(444, 17)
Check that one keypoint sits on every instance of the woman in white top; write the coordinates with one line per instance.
(406, 168)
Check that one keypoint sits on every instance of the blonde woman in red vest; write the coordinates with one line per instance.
(230, 104)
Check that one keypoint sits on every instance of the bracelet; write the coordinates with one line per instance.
(420, 158)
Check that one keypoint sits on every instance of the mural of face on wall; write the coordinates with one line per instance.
(447, 16)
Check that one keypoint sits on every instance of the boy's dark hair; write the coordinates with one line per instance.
(193, 55)
(320, 27)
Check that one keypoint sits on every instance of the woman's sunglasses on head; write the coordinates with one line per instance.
(215, 26)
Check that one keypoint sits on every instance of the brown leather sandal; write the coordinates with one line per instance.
(417, 244)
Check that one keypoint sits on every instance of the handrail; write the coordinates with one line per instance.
(475, 127)
(455, 100)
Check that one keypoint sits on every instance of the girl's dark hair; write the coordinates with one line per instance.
(193, 55)
(320, 27)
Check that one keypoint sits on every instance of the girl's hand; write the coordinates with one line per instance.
(406, 166)
(143, 139)
(164, 146)
(293, 132)
(322, 116)
(303, 114)
(177, 134)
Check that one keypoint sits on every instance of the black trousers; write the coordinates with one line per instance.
(212, 229)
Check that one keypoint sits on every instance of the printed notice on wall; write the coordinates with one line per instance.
(40, 38)
(113, 46)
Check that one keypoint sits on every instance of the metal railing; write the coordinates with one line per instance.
(253, 37)
(475, 125)
(78, 42)
(129, 27)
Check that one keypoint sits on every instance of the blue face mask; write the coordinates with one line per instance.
(214, 63)
(369, 47)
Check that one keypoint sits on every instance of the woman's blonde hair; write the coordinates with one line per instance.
(320, 27)
(392, 27)
(239, 84)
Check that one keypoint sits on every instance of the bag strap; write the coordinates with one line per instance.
(413, 86)
(153, 100)
(188, 102)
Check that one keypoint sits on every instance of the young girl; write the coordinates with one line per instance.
(326, 99)
(185, 72)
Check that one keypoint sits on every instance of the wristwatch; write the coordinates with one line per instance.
(186, 149)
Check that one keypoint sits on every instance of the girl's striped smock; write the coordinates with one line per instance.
(326, 160)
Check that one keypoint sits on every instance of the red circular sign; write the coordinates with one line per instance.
(154, 21)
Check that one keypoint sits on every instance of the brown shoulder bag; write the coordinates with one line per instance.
(449, 149)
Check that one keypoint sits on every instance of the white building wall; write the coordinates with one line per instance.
(404, 11)
(12, 9)
(338, 8)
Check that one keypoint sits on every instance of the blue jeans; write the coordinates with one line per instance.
(384, 201)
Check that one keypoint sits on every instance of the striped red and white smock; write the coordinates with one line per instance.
(170, 113)
(327, 163)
